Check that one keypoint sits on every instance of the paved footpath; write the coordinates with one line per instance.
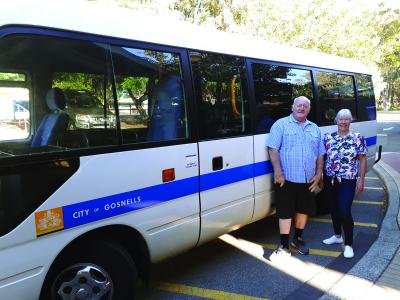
(377, 274)
(389, 281)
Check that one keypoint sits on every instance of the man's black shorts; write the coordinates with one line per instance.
(294, 198)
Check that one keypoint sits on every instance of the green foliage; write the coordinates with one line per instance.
(135, 85)
(389, 62)
(12, 76)
(356, 29)
(80, 82)
(219, 13)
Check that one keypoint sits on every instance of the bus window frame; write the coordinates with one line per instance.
(195, 100)
(118, 42)
(252, 98)
(352, 74)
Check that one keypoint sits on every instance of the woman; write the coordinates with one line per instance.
(345, 161)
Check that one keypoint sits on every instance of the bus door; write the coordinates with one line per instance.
(274, 87)
(226, 185)
(225, 151)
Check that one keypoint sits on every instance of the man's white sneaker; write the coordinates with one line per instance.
(279, 254)
(333, 240)
(348, 252)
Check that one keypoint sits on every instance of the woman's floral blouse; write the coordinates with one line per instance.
(341, 154)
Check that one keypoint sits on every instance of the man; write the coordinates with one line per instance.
(296, 153)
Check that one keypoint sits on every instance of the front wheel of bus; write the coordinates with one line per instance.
(103, 270)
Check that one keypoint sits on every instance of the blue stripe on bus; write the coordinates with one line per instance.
(216, 179)
(114, 205)
(263, 168)
(371, 140)
(110, 206)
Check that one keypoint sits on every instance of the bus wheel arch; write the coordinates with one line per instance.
(121, 245)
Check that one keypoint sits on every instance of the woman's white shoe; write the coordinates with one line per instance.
(348, 252)
(333, 240)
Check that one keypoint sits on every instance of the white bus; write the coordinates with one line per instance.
(84, 210)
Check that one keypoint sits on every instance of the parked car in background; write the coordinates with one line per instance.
(127, 106)
(86, 110)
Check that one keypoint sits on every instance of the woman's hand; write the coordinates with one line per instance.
(360, 186)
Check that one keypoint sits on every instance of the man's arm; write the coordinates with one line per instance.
(318, 174)
(276, 164)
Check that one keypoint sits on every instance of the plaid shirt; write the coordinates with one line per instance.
(299, 147)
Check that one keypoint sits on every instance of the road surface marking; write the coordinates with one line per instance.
(312, 251)
(368, 202)
(372, 225)
(200, 292)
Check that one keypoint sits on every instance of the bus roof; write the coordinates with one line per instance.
(110, 20)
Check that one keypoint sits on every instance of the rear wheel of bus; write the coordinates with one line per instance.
(96, 270)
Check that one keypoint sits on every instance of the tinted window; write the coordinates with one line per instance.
(66, 95)
(335, 91)
(275, 87)
(366, 98)
(14, 111)
(34, 118)
(150, 92)
(88, 106)
(221, 92)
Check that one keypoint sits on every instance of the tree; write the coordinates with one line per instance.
(356, 29)
(389, 62)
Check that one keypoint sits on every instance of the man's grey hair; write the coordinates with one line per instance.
(343, 113)
(301, 98)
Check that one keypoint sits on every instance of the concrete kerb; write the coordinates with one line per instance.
(359, 282)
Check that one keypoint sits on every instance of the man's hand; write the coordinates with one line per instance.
(315, 182)
(321, 183)
(279, 178)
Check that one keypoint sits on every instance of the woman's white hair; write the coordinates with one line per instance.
(343, 113)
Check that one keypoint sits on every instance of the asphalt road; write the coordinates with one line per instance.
(389, 136)
(236, 265)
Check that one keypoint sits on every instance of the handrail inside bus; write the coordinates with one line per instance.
(233, 96)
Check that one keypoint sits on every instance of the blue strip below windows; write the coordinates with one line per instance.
(114, 205)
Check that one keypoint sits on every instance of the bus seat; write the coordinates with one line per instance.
(165, 117)
(53, 124)
(74, 139)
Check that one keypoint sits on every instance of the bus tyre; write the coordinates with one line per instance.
(100, 270)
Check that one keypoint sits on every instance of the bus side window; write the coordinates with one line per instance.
(275, 87)
(335, 91)
(221, 93)
(165, 118)
(366, 98)
(151, 101)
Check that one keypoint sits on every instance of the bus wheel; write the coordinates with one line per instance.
(102, 270)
